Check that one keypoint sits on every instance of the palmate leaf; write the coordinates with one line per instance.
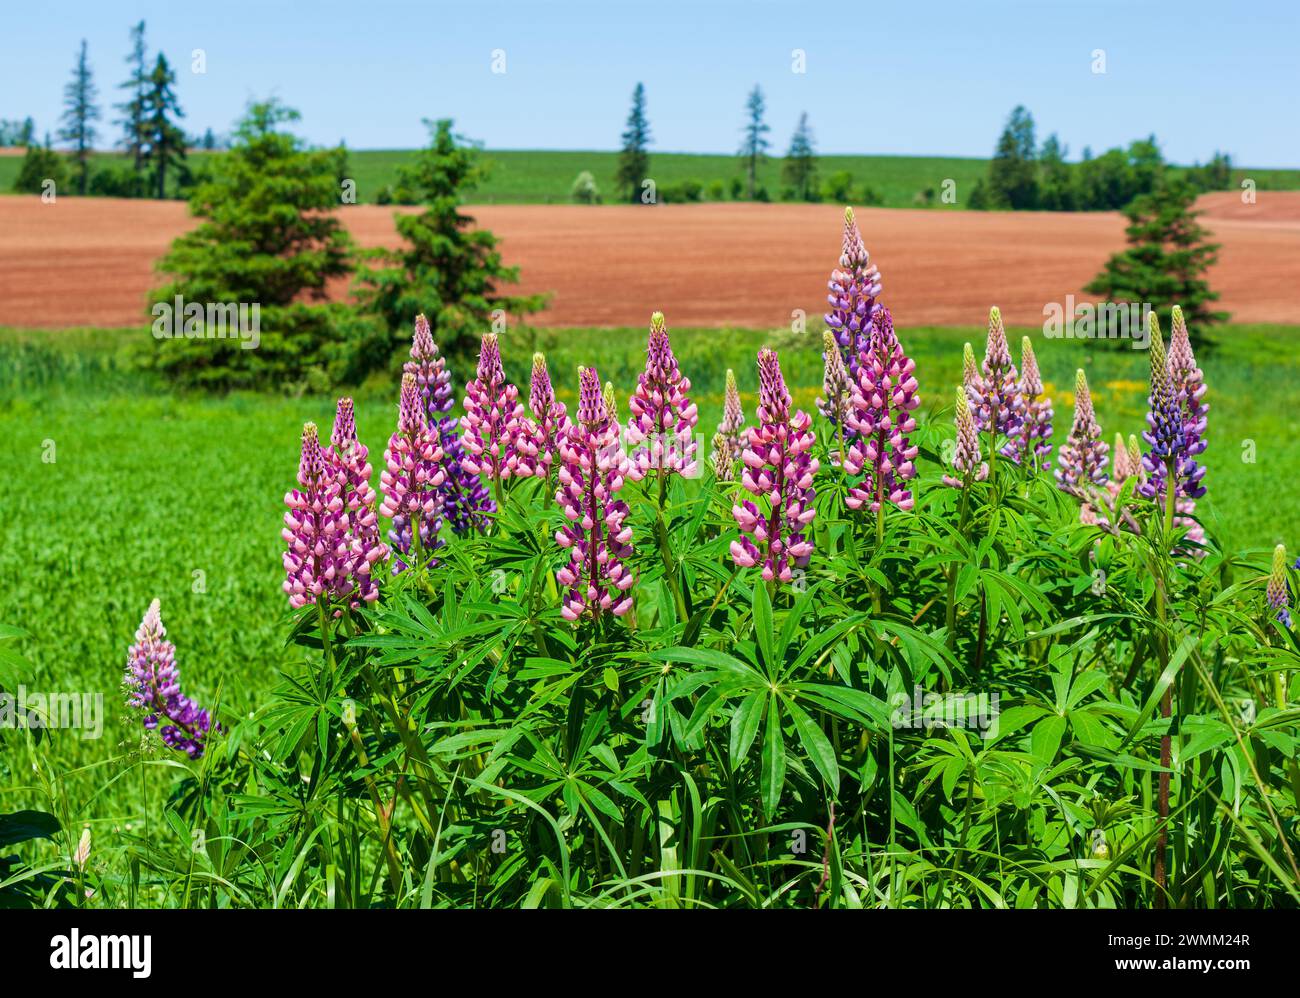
(773, 764)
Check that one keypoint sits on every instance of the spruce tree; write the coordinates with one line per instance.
(133, 108)
(80, 112)
(633, 159)
(754, 146)
(1012, 180)
(800, 167)
(164, 140)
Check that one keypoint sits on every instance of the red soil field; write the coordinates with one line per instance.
(89, 261)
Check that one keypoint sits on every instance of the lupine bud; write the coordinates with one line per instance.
(1081, 466)
(1279, 597)
(494, 419)
(153, 685)
(970, 373)
(661, 427)
(731, 431)
(82, 855)
(854, 288)
(319, 559)
(1032, 443)
(966, 455)
(347, 458)
(549, 418)
(836, 387)
(882, 401)
(412, 477)
(996, 404)
(592, 468)
(779, 470)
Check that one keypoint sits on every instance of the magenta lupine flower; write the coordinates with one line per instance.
(1279, 597)
(538, 451)
(464, 499)
(966, 455)
(661, 427)
(592, 468)
(1033, 441)
(996, 405)
(494, 419)
(883, 398)
(412, 477)
(347, 458)
(779, 470)
(854, 287)
(319, 559)
(729, 441)
(837, 389)
(153, 685)
(1081, 466)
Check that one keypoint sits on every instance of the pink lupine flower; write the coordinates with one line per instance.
(592, 469)
(494, 419)
(549, 418)
(854, 287)
(1188, 383)
(661, 427)
(1032, 443)
(966, 455)
(729, 441)
(347, 457)
(412, 476)
(996, 405)
(318, 560)
(153, 685)
(883, 398)
(1081, 466)
(779, 470)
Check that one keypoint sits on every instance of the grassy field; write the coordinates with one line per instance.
(545, 177)
(119, 491)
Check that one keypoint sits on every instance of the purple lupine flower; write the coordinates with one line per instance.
(1081, 466)
(729, 441)
(966, 455)
(412, 477)
(153, 685)
(494, 419)
(549, 419)
(1279, 597)
(318, 559)
(347, 458)
(996, 405)
(1173, 433)
(1033, 441)
(463, 497)
(837, 389)
(779, 470)
(854, 287)
(661, 428)
(883, 398)
(592, 469)
(1189, 388)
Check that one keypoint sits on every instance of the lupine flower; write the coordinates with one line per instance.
(412, 477)
(1081, 466)
(1173, 432)
(1188, 383)
(729, 441)
(347, 457)
(661, 427)
(1279, 597)
(724, 465)
(854, 288)
(1034, 438)
(883, 398)
(319, 558)
(592, 468)
(779, 469)
(970, 373)
(996, 405)
(549, 417)
(836, 386)
(463, 498)
(153, 685)
(494, 419)
(966, 455)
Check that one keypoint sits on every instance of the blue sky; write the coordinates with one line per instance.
(905, 78)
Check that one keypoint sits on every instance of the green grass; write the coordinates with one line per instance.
(545, 177)
(154, 495)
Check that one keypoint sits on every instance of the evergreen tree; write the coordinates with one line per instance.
(1056, 187)
(448, 269)
(1166, 259)
(268, 236)
(800, 167)
(633, 159)
(80, 112)
(165, 141)
(40, 164)
(1012, 183)
(754, 145)
(134, 139)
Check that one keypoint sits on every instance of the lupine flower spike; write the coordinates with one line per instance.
(318, 559)
(837, 391)
(1081, 465)
(1279, 598)
(412, 478)
(1189, 389)
(463, 498)
(970, 373)
(549, 418)
(966, 455)
(996, 404)
(661, 427)
(883, 398)
(729, 441)
(153, 685)
(1033, 442)
(494, 420)
(854, 288)
(347, 457)
(592, 468)
(779, 470)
